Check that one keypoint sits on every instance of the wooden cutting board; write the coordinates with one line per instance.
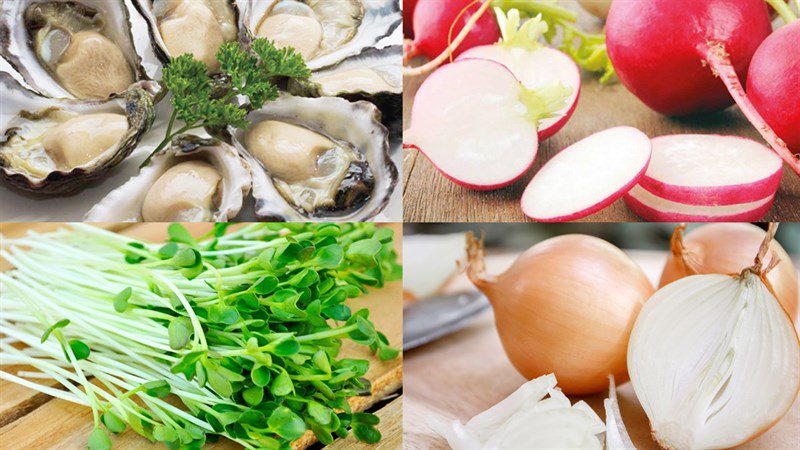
(29, 420)
(465, 373)
(429, 197)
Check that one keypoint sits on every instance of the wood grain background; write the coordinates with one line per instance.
(430, 197)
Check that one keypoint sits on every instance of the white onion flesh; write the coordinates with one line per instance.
(617, 437)
(430, 261)
(536, 416)
(714, 361)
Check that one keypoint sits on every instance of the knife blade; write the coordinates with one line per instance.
(435, 317)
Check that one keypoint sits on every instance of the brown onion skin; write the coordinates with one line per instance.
(729, 248)
(567, 306)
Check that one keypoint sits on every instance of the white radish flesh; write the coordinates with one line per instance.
(468, 119)
(537, 69)
(588, 175)
(652, 208)
(711, 170)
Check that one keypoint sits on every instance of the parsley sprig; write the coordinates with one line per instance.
(200, 100)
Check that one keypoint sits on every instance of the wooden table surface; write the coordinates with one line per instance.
(30, 420)
(430, 197)
(467, 372)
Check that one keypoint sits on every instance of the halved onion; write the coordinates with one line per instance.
(714, 359)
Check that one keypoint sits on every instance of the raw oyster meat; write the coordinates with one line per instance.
(58, 146)
(374, 75)
(198, 27)
(317, 159)
(192, 180)
(324, 32)
(82, 49)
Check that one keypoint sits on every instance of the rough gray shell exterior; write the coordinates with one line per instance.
(138, 104)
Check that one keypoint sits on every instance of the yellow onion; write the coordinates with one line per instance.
(566, 306)
(714, 359)
(728, 248)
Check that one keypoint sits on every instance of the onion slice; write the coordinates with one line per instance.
(617, 437)
(429, 262)
(714, 359)
(536, 416)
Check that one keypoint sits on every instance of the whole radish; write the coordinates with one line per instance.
(432, 23)
(660, 49)
(408, 15)
(773, 82)
(684, 57)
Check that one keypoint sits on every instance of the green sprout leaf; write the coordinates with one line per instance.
(286, 423)
(157, 388)
(179, 331)
(99, 440)
(112, 422)
(60, 324)
(121, 299)
(79, 349)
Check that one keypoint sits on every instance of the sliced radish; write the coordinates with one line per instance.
(536, 69)
(710, 170)
(656, 209)
(587, 176)
(469, 119)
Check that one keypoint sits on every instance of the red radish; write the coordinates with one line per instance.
(773, 83)
(432, 23)
(660, 49)
(534, 65)
(408, 15)
(477, 123)
(588, 175)
(710, 170)
(656, 209)
(680, 56)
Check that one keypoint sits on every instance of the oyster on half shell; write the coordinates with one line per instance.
(324, 32)
(58, 146)
(317, 159)
(374, 75)
(192, 180)
(198, 27)
(82, 49)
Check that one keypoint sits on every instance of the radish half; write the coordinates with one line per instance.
(535, 66)
(656, 209)
(587, 176)
(477, 123)
(711, 170)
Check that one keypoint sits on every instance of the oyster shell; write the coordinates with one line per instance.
(82, 49)
(317, 159)
(192, 180)
(324, 32)
(198, 27)
(374, 75)
(58, 146)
